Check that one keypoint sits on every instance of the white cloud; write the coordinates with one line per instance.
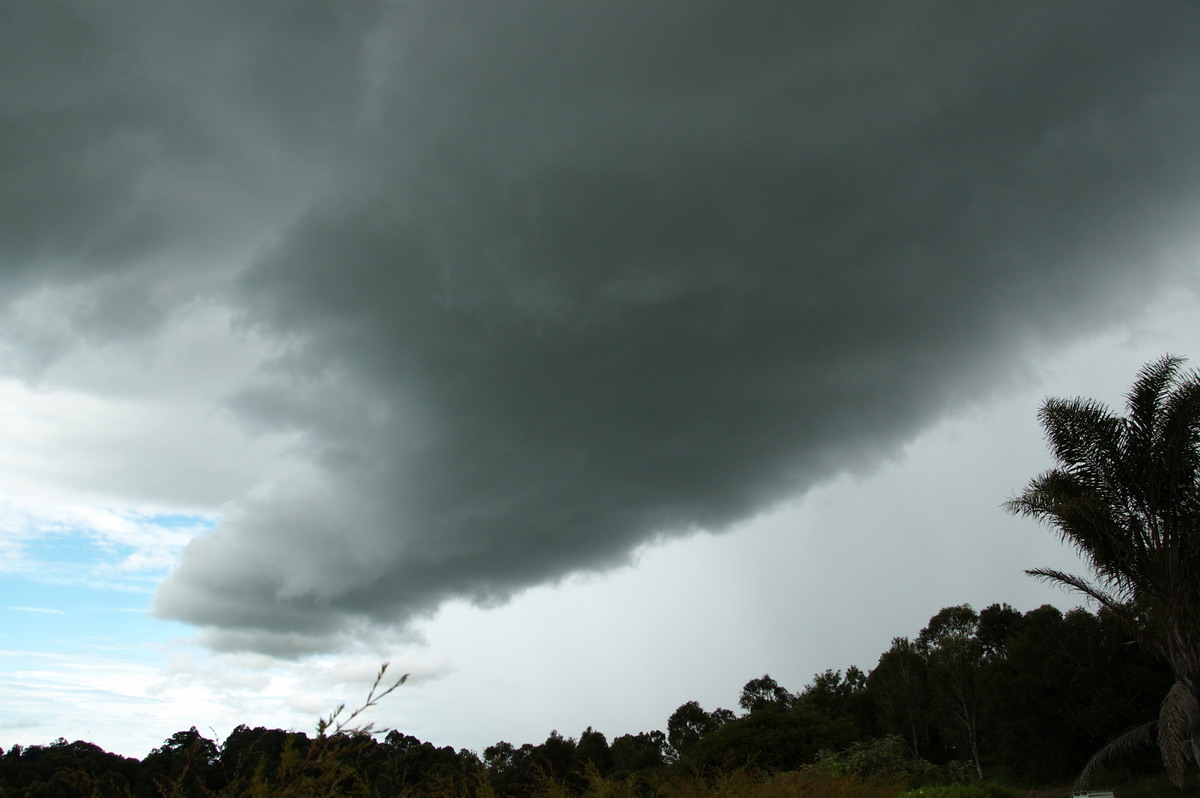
(426, 312)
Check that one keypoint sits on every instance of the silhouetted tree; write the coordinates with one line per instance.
(997, 623)
(764, 693)
(689, 724)
(1126, 495)
(634, 752)
(1068, 683)
(780, 739)
(187, 761)
(899, 686)
(593, 749)
(954, 654)
(843, 696)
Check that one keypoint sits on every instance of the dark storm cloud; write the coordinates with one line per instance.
(575, 276)
(144, 148)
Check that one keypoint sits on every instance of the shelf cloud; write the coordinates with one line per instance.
(538, 283)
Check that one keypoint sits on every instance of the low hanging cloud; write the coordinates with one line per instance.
(544, 282)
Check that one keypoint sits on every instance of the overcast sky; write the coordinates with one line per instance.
(581, 358)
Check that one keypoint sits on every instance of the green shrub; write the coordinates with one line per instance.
(960, 791)
(889, 757)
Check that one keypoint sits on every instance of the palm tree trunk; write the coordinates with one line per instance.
(1188, 677)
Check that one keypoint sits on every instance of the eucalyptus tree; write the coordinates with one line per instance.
(950, 647)
(689, 724)
(1126, 496)
(764, 693)
(899, 685)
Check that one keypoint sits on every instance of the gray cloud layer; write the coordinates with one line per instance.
(549, 280)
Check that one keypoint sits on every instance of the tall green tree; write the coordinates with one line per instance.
(643, 751)
(844, 696)
(185, 761)
(689, 724)
(1126, 496)
(997, 623)
(764, 693)
(899, 685)
(954, 655)
(772, 739)
(593, 749)
(1069, 683)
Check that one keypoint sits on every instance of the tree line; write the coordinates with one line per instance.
(996, 692)
(1028, 695)
(1032, 696)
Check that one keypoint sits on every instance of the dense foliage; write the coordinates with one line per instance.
(1126, 495)
(994, 693)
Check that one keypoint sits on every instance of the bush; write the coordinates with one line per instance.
(889, 757)
(960, 791)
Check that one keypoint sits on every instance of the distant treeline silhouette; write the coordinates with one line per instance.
(973, 695)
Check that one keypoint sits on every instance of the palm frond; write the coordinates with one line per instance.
(1077, 583)
(1126, 496)
(1132, 741)
(1145, 399)
(1176, 719)
(1085, 437)
(1083, 515)
(1177, 448)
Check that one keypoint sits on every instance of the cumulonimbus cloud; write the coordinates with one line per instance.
(565, 279)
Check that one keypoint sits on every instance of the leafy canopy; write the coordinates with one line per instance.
(1126, 495)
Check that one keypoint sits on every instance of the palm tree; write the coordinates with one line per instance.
(1126, 496)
